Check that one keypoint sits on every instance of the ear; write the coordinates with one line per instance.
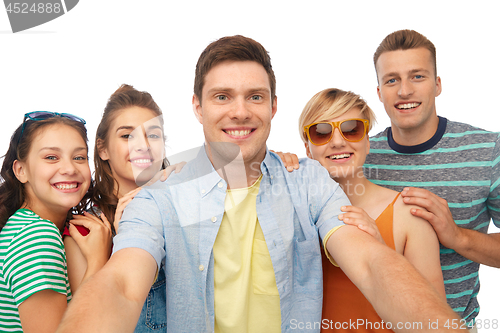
(198, 112)
(438, 86)
(378, 93)
(19, 169)
(308, 152)
(274, 107)
(103, 152)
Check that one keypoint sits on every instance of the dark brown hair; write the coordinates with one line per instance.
(106, 186)
(405, 40)
(233, 48)
(12, 191)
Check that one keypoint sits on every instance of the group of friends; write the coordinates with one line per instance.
(367, 234)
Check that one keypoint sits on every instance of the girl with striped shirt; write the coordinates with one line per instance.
(45, 178)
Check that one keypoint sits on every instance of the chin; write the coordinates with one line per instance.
(144, 176)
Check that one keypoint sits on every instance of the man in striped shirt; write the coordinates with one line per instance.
(450, 170)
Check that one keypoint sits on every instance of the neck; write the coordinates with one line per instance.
(415, 135)
(356, 188)
(123, 189)
(237, 172)
(58, 218)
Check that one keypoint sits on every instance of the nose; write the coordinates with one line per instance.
(337, 139)
(240, 110)
(67, 166)
(405, 89)
(140, 140)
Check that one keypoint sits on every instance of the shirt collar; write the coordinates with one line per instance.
(209, 179)
(420, 147)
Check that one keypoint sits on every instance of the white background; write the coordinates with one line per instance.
(74, 63)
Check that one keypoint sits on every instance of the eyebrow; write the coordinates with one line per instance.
(125, 128)
(58, 149)
(224, 89)
(132, 128)
(413, 71)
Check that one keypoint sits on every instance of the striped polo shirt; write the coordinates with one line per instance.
(32, 259)
(460, 163)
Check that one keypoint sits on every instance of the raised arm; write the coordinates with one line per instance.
(87, 254)
(398, 293)
(472, 244)
(111, 300)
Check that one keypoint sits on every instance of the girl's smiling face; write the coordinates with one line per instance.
(343, 159)
(135, 147)
(56, 173)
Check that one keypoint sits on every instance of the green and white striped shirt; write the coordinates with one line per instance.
(461, 164)
(32, 259)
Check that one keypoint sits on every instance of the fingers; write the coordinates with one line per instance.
(157, 176)
(90, 221)
(413, 192)
(165, 173)
(179, 166)
(122, 203)
(291, 161)
(105, 220)
(357, 217)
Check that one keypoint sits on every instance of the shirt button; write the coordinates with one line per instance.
(214, 219)
(272, 176)
(201, 267)
(220, 185)
(203, 191)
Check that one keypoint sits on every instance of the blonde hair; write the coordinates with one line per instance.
(332, 103)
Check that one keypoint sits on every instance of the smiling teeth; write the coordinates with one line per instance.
(338, 157)
(66, 186)
(143, 161)
(239, 133)
(407, 106)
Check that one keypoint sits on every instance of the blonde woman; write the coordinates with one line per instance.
(334, 126)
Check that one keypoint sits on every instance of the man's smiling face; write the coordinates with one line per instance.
(237, 107)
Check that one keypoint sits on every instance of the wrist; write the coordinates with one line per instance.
(462, 240)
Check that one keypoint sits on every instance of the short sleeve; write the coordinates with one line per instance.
(141, 227)
(493, 201)
(36, 261)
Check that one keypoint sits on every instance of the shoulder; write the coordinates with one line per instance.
(468, 132)
(309, 171)
(25, 223)
(35, 232)
(408, 222)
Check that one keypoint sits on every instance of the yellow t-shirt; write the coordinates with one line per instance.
(246, 295)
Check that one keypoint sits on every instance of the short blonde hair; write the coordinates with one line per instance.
(332, 103)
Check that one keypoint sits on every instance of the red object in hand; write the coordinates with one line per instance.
(83, 231)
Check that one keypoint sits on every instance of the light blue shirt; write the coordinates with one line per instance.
(177, 223)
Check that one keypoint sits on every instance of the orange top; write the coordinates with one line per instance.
(345, 308)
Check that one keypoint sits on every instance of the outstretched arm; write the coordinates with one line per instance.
(473, 245)
(111, 300)
(396, 290)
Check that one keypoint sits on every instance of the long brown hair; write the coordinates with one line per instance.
(106, 187)
(12, 191)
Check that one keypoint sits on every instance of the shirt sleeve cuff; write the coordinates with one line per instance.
(325, 240)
